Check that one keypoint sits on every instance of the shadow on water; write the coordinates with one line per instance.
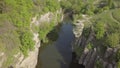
(59, 53)
(64, 46)
(74, 63)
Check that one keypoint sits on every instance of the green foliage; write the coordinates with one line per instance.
(47, 5)
(76, 17)
(9, 58)
(66, 5)
(99, 30)
(89, 46)
(44, 29)
(98, 64)
(113, 39)
(107, 28)
(86, 31)
(15, 19)
(118, 64)
(116, 14)
(78, 6)
(110, 3)
(21, 16)
(72, 5)
(35, 28)
(27, 42)
(118, 55)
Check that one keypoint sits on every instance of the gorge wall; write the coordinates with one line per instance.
(31, 60)
(91, 56)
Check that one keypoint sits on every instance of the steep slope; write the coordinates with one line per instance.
(98, 46)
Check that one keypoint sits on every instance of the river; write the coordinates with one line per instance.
(59, 53)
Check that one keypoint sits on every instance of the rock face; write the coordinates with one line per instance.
(90, 56)
(30, 62)
(3, 58)
(78, 28)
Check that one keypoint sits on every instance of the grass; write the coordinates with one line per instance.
(9, 41)
(116, 14)
(35, 28)
(111, 19)
(110, 24)
(10, 58)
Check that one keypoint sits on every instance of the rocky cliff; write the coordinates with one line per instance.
(92, 55)
(31, 60)
(19, 61)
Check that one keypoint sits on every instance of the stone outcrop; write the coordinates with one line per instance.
(2, 55)
(89, 57)
(78, 28)
(30, 62)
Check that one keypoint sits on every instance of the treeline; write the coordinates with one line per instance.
(88, 7)
(44, 6)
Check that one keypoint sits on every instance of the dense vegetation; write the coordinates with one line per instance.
(15, 20)
(44, 29)
(26, 42)
(104, 24)
(16, 15)
(44, 6)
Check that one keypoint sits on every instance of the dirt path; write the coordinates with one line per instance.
(114, 18)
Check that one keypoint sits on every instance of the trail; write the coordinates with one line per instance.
(112, 16)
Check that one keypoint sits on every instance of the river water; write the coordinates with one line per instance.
(59, 53)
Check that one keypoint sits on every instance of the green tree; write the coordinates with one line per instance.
(99, 30)
(27, 42)
(44, 29)
(113, 39)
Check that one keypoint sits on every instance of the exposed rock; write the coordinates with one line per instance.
(31, 60)
(3, 58)
(89, 57)
(78, 28)
(108, 52)
(46, 17)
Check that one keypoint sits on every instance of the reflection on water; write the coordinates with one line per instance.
(58, 54)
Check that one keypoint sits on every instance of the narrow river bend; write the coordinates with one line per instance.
(59, 53)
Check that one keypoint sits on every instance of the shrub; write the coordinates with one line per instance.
(99, 30)
(44, 29)
(27, 42)
(113, 39)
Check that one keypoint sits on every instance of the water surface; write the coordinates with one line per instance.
(58, 54)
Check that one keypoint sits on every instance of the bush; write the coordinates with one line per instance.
(20, 12)
(27, 42)
(113, 39)
(99, 30)
(90, 46)
(44, 29)
(118, 64)
(47, 5)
